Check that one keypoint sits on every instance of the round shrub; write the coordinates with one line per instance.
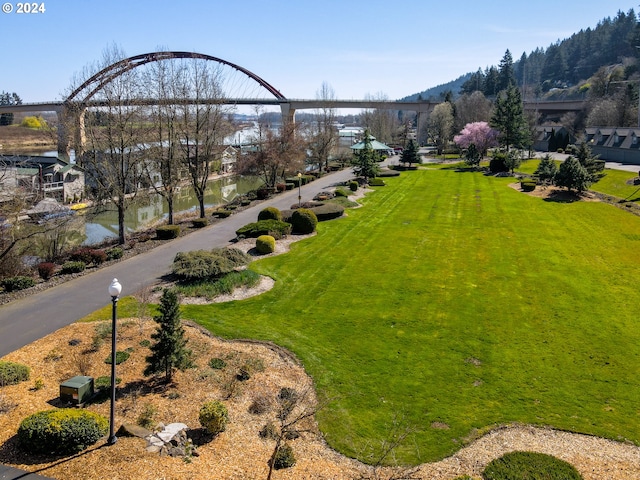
(328, 211)
(46, 270)
(270, 213)
(265, 244)
(13, 284)
(353, 185)
(61, 431)
(303, 221)
(168, 232)
(529, 466)
(214, 417)
(12, 373)
(284, 457)
(73, 267)
(114, 253)
(121, 356)
(199, 222)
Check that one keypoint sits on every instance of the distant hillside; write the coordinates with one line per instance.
(562, 65)
(435, 93)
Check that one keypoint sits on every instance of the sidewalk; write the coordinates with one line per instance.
(10, 473)
(31, 318)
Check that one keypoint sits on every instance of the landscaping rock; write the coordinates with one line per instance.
(132, 430)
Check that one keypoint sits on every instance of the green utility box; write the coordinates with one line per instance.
(76, 390)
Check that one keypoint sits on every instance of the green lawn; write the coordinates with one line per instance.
(451, 303)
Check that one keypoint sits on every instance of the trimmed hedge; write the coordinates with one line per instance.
(168, 232)
(214, 417)
(328, 211)
(265, 244)
(529, 466)
(73, 267)
(13, 284)
(114, 253)
(12, 373)
(61, 431)
(199, 222)
(528, 185)
(303, 221)
(275, 228)
(270, 213)
(376, 182)
(390, 173)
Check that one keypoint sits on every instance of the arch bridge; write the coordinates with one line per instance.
(71, 111)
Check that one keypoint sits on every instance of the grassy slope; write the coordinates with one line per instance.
(452, 298)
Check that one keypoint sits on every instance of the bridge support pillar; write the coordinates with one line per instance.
(288, 113)
(71, 132)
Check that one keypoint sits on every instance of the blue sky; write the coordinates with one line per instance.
(358, 48)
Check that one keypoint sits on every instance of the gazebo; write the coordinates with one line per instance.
(375, 145)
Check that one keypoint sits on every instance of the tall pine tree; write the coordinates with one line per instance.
(169, 351)
(508, 118)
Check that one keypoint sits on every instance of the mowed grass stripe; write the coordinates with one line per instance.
(452, 299)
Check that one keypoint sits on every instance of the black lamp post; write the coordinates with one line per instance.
(299, 189)
(114, 290)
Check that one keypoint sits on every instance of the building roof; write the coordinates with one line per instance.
(375, 144)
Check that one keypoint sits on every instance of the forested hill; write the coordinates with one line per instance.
(563, 64)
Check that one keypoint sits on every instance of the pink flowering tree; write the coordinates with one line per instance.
(476, 138)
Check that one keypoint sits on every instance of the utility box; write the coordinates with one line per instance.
(77, 390)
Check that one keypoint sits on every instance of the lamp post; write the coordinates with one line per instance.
(299, 189)
(114, 290)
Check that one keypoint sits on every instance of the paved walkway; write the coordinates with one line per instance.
(26, 320)
(10, 473)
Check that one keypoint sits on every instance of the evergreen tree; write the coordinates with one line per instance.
(508, 118)
(410, 154)
(573, 176)
(506, 75)
(7, 98)
(365, 160)
(169, 351)
(547, 170)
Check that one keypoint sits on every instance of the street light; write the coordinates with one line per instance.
(114, 290)
(299, 189)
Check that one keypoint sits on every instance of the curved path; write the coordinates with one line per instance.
(28, 319)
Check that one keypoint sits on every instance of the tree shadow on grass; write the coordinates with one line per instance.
(563, 196)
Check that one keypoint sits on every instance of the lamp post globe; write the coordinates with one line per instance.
(114, 290)
(299, 189)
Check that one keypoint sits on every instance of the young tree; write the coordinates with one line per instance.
(169, 351)
(410, 154)
(440, 125)
(365, 161)
(323, 135)
(547, 170)
(471, 108)
(478, 135)
(508, 119)
(573, 176)
(381, 123)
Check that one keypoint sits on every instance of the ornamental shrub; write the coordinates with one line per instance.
(284, 457)
(235, 256)
(265, 244)
(275, 228)
(498, 163)
(217, 363)
(328, 211)
(303, 221)
(168, 232)
(214, 417)
(12, 373)
(13, 284)
(270, 213)
(341, 192)
(376, 182)
(528, 185)
(114, 253)
(73, 267)
(529, 466)
(199, 222)
(353, 185)
(121, 356)
(61, 431)
(46, 270)
(200, 264)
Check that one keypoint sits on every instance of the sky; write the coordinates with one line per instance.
(358, 48)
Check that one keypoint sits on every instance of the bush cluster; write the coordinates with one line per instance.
(214, 417)
(13, 284)
(168, 232)
(275, 228)
(73, 267)
(46, 270)
(61, 431)
(265, 244)
(529, 466)
(270, 213)
(303, 221)
(12, 373)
